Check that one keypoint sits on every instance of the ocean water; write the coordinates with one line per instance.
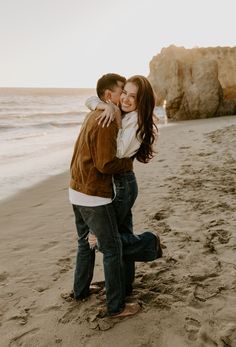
(38, 128)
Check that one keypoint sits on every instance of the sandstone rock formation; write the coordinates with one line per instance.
(196, 83)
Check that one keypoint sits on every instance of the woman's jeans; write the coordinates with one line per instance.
(142, 247)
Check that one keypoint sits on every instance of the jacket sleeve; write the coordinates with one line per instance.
(104, 147)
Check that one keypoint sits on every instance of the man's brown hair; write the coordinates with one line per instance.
(108, 81)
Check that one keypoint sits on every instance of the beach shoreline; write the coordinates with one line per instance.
(187, 195)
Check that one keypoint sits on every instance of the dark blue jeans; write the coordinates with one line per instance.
(101, 221)
(112, 225)
(142, 247)
(126, 194)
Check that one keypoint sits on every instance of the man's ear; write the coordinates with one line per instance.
(107, 95)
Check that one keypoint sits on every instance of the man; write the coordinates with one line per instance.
(145, 246)
(93, 163)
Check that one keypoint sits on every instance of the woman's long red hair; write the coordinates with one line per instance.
(147, 129)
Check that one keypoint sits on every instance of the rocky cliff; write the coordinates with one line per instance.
(196, 83)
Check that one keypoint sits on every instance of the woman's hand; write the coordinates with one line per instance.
(92, 240)
(108, 115)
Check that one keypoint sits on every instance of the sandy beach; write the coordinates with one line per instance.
(188, 297)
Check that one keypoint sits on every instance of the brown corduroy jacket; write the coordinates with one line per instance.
(94, 160)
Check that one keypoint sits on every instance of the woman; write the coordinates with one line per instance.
(136, 138)
(138, 128)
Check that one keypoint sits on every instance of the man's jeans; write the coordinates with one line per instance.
(101, 220)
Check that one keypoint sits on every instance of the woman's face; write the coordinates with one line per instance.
(128, 98)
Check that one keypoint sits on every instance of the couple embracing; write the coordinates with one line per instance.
(120, 128)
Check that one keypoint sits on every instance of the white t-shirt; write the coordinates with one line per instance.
(78, 198)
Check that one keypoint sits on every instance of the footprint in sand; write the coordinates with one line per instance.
(207, 290)
(102, 324)
(72, 314)
(222, 236)
(161, 214)
(80, 311)
(209, 245)
(160, 226)
(192, 327)
(21, 316)
(3, 276)
(212, 334)
(65, 264)
(158, 289)
(215, 237)
(19, 339)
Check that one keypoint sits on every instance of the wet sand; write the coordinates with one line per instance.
(187, 194)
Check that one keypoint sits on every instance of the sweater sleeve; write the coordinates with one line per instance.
(92, 102)
(104, 147)
(127, 141)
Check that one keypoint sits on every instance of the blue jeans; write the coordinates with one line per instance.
(142, 247)
(126, 194)
(112, 225)
(101, 221)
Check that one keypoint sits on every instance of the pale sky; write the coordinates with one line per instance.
(71, 43)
